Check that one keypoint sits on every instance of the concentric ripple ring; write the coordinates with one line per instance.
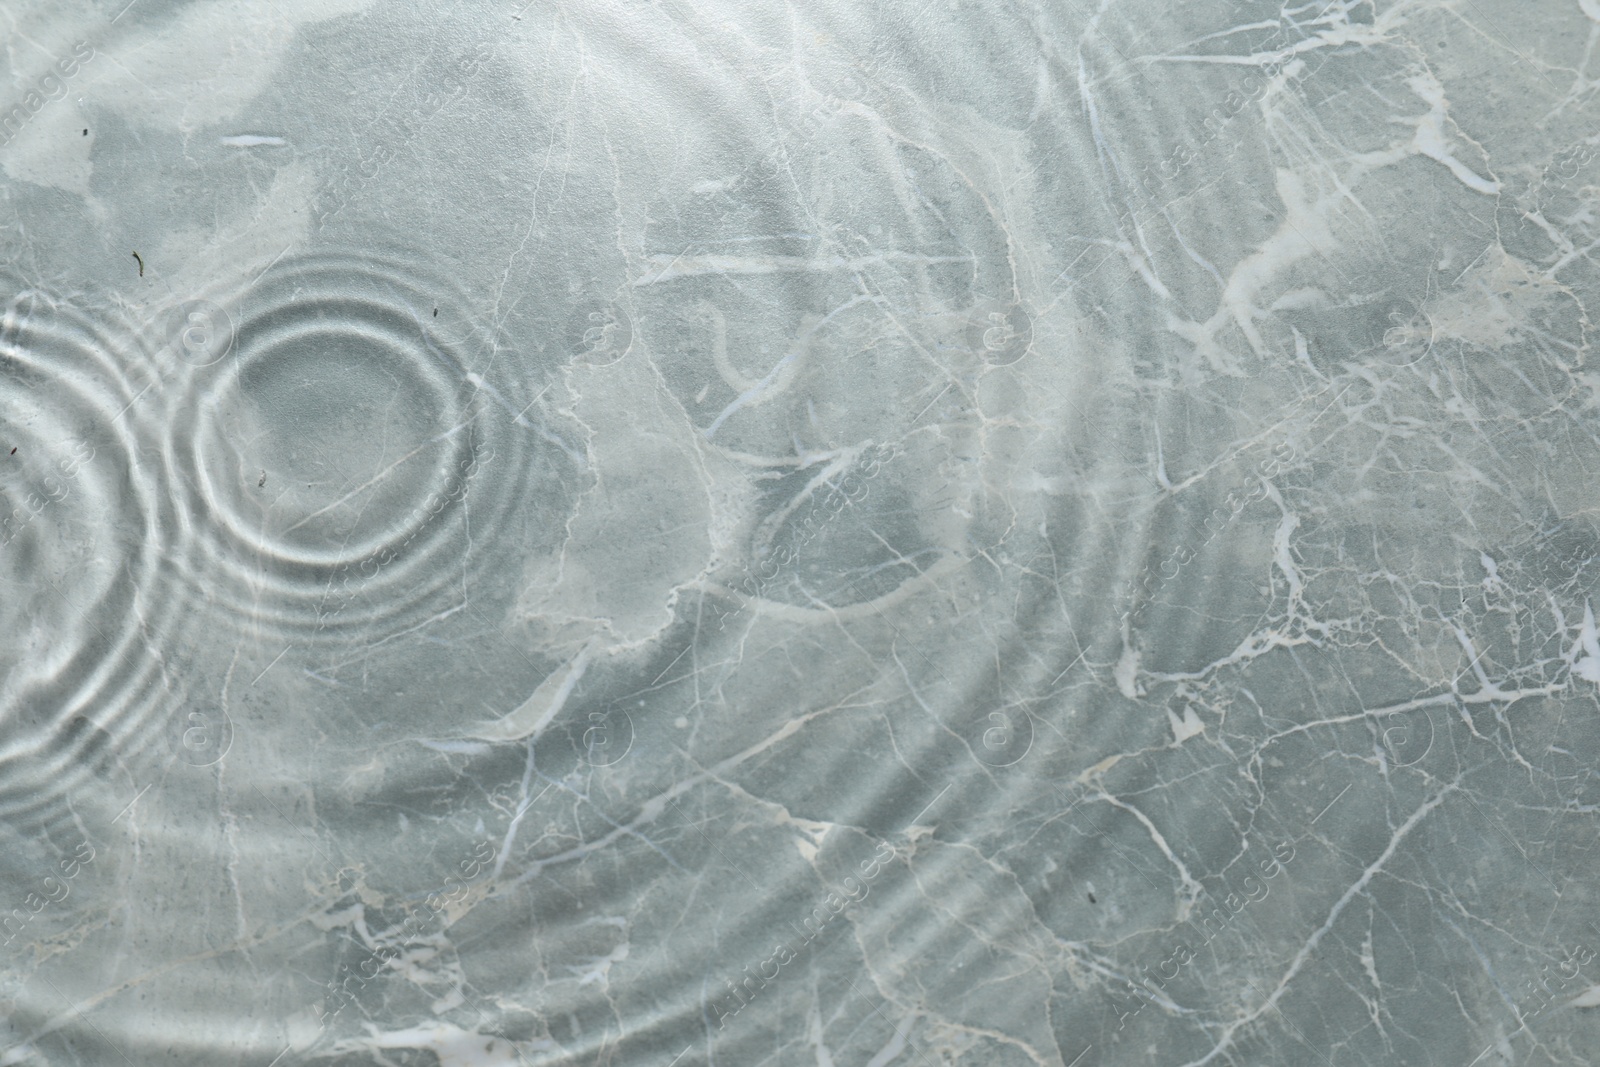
(81, 536)
(333, 455)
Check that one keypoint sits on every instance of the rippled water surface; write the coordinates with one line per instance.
(864, 533)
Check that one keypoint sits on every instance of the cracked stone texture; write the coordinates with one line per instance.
(827, 533)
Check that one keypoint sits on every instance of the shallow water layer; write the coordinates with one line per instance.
(827, 533)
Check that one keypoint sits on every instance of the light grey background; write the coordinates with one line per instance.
(827, 533)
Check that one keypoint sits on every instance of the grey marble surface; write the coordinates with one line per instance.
(819, 533)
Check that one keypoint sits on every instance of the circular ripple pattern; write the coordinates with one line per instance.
(336, 453)
(1092, 467)
(80, 536)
